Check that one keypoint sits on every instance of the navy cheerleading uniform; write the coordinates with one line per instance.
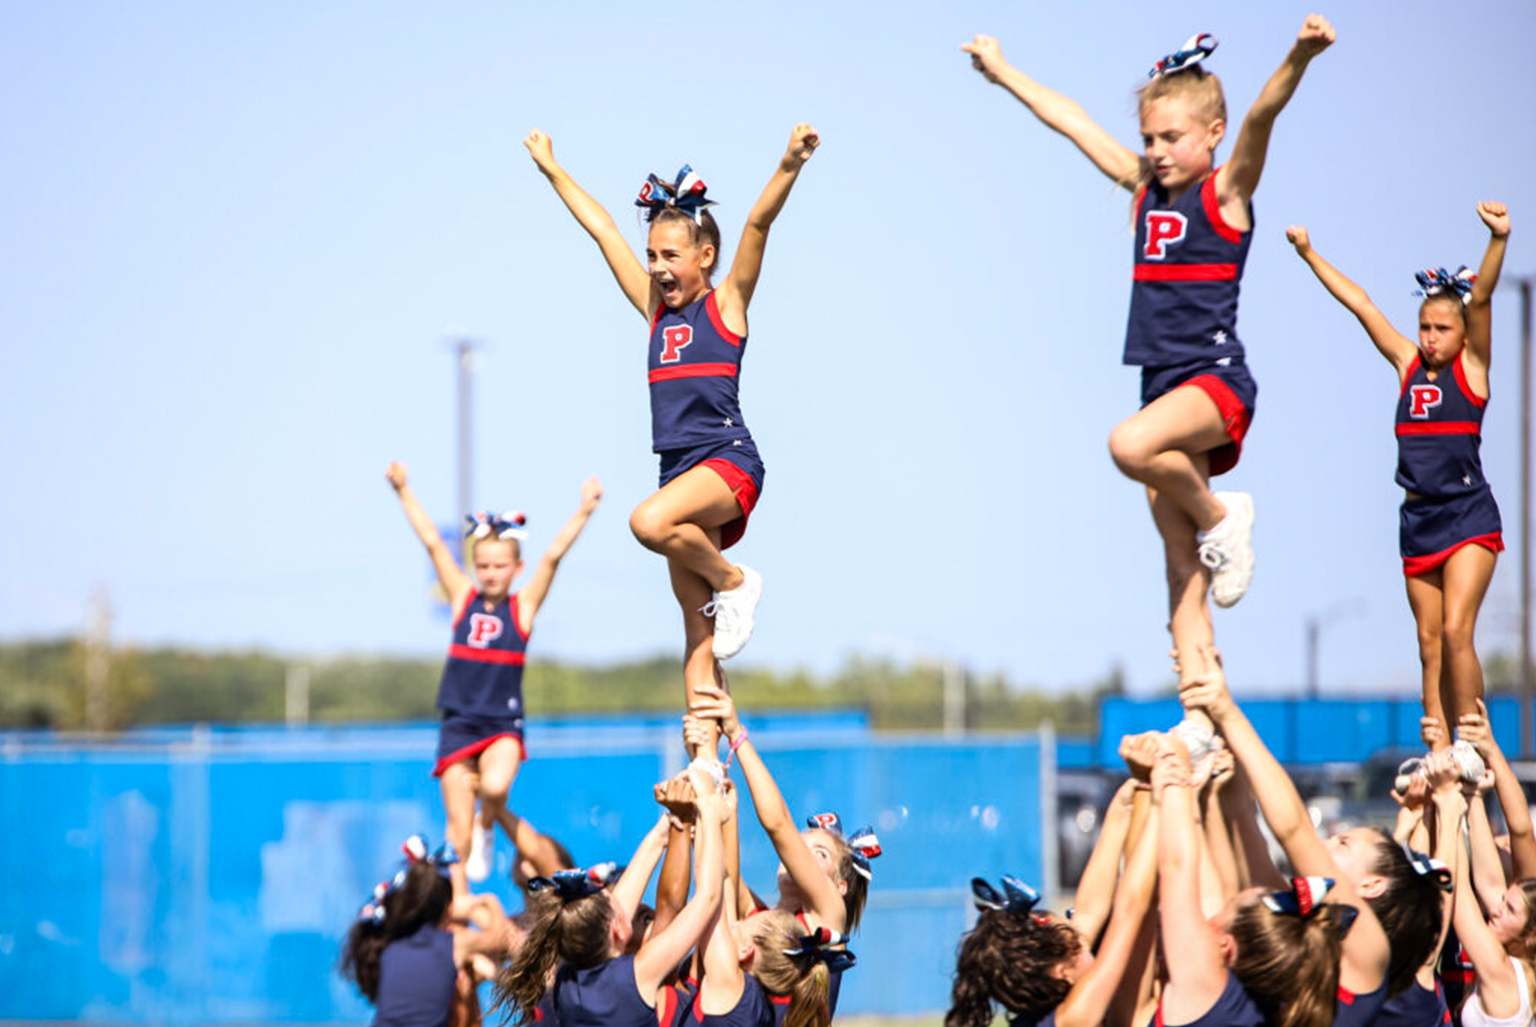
(481, 694)
(1359, 1010)
(694, 368)
(601, 996)
(1234, 1007)
(416, 980)
(1183, 321)
(1439, 438)
(1415, 1006)
(753, 1009)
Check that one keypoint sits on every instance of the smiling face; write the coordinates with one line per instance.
(496, 564)
(1442, 329)
(678, 263)
(1179, 143)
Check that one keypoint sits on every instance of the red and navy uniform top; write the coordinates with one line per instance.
(695, 361)
(1439, 432)
(1415, 1007)
(1353, 1010)
(1234, 1007)
(1189, 264)
(416, 980)
(601, 996)
(484, 673)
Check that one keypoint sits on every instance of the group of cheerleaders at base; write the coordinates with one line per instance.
(1193, 225)
(587, 951)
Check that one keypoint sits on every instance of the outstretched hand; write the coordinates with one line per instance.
(591, 494)
(1206, 688)
(539, 147)
(986, 56)
(802, 143)
(1431, 733)
(1495, 215)
(710, 702)
(1140, 753)
(1297, 236)
(1472, 728)
(396, 475)
(1316, 35)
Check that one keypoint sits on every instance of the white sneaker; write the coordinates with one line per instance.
(1198, 738)
(732, 611)
(1469, 762)
(482, 849)
(1227, 549)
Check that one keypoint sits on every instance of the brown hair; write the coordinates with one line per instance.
(1451, 299)
(1525, 943)
(802, 977)
(1009, 958)
(422, 898)
(573, 931)
(701, 232)
(1289, 964)
(857, 892)
(1409, 909)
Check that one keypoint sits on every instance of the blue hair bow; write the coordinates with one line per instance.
(863, 842)
(1016, 896)
(686, 194)
(1436, 280)
(503, 525)
(1306, 897)
(819, 945)
(1196, 49)
(577, 884)
(1429, 866)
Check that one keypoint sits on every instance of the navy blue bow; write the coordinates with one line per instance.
(415, 849)
(1196, 49)
(577, 884)
(686, 194)
(1436, 280)
(1429, 866)
(1016, 896)
(503, 525)
(819, 945)
(863, 842)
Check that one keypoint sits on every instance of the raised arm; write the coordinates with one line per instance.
(1096, 886)
(666, 948)
(1476, 729)
(531, 596)
(1496, 983)
(1480, 304)
(1450, 812)
(630, 889)
(1366, 952)
(710, 702)
(1197, 977)
(735, 293)
(452, 577)
(626, 267)
(1056, 112)
(1239, 176)
(676, 794)
(1087, 1004)
(1398, 349)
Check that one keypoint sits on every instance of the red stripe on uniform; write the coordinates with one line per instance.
(469, 652)
(1184, 273)
(1439, 428)
(666, 374)
(1212, 206)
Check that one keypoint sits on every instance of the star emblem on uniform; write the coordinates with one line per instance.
(1220, 337)
(737, 442)
(728, 423)
(1466, 479)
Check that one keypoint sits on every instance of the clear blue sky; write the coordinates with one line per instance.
(233, 236)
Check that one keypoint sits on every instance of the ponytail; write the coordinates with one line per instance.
(560, 929)
(1409, 908)
(1010, 958)
(1290, 964)
(784, 965)
(419, 896)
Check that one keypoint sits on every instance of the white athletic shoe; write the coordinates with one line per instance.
(732, 611)
(1227, 549)
(1407, 770)
(1468, 762)
(482, 849)
(1198, 738)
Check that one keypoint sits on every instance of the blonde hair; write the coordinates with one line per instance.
(802, 976)
(1289, 964)
(1201, 89)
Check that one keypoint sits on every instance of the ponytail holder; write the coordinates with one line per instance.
(1306, 897)
(686, 194)
(508, 525)
(415, 849)
(1436, 281)
(373, 910)
(1196, 49)
(577, 884)
(818, 945)
(1429, 866)
(1016, 896)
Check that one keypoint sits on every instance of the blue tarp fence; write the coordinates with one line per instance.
(192, 876)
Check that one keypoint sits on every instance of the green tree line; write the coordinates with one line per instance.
(44, 684)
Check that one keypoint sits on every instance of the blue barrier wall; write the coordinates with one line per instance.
(209, 877)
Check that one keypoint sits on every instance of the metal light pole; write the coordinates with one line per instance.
(1527, 729)
(1314, 631)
